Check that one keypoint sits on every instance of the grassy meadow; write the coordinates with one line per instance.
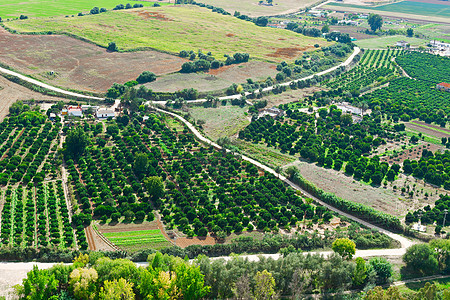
(254, 9)
(383, 42)
(172, 29)
(407, 7)
(49, 8)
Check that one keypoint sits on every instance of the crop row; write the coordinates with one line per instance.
(38, 220)
(205, 190)
(131, 233)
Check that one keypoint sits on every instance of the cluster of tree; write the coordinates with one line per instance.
(96, 10)
(407, 99)
(431, 167)
(206, 62)
(96, 277)
(127, 6)
(429, 215)
(145, 77)
(17, 167)
(425, 66)
(311, 138)
(362, 211)
(428, 258)
(294, 275)
(218, 10)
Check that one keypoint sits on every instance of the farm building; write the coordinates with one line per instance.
(75, 112)
(103, 113)
(403, 44)
(443, 86)
(86, 107)
(272, 112)
(440, 45)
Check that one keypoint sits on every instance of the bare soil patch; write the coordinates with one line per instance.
(153, 15)
(239, 73)
(77, 64)
(288, 52)
(384, 199)
(414, 153)
(12, 92)
(183, 242)
(427, 130)
(215, 79)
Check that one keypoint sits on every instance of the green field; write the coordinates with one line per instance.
(406, 7)
(383, 42)
(138, 239)
(49, 8)
(172, 29)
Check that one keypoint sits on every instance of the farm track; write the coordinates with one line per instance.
(405, 243)
(236, 96)
(90, 238)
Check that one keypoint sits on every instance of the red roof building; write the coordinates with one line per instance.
(443, 86)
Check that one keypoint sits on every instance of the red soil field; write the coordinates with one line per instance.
(77, 64)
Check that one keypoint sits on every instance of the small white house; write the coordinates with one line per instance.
(103, 113)
(403, 44)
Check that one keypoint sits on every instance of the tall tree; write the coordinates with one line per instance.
(264, 285)
(76, 142)
(140, 164)
(375, 22)
(154, 186)
(344, 247)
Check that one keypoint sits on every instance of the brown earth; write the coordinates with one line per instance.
(153, 15)
(12, 92)
(428, 131)
(414, 154)
(238, 73)
(183, 242)
(289, 52)
(77, 64)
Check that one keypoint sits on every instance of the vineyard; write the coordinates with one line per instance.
(375, 67)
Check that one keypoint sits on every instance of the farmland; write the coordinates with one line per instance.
(50, 8)
(76, 64)
(35, 213)
(407, 7)
(135, 240)
(172, 29)
(215, 79)
(254, 9)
